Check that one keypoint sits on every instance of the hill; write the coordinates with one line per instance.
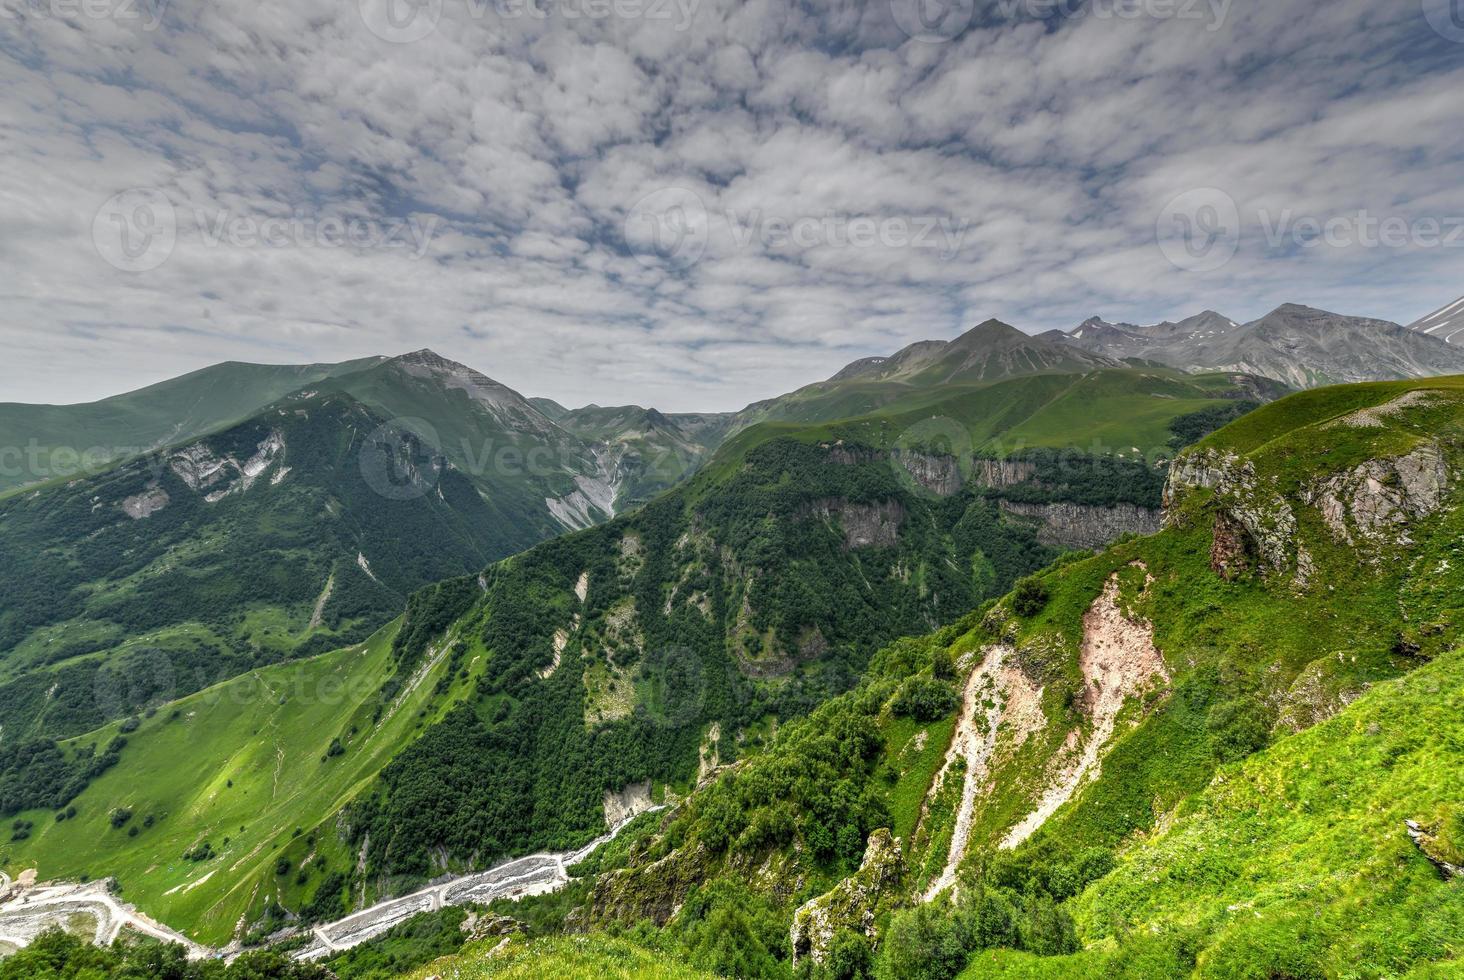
(300, 530)
(45, 443)
(617, 655)
(1193, 752)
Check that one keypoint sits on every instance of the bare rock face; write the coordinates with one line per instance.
(1000, 473)
(1231, 551)
(145, 504)
(1252, 516)
(941, 475)
(1084, 526)
(1376, 502)
(852, 903)
(874, 525)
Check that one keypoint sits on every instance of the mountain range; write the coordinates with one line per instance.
(1296, 345)
(1445, 323)
(952, 654)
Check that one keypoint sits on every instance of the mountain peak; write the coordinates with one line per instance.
(990, 330)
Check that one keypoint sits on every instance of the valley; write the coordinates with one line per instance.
(976, 645)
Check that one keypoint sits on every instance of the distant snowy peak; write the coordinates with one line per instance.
(1446, 323)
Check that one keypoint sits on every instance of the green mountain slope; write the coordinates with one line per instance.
(43, 443)
(246, 767)
(297, 531)
(1094, 786)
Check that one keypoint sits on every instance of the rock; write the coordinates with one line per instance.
(1000, 473)
(145, 504)
(1250, 512)
(852, 903)
(1430, 846)
(1231, 550)
(1085, 526)
(939, 474)
(874, 525)
(1375, 503)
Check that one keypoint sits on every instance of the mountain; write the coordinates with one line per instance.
(1296, 345)
(1444, 323)
(302, 528)
(299, 530)
(51, 442)
(742, 597)
(989, 351)
(1166, 342)
(1220, 749)
(931, 371)
(648, 450)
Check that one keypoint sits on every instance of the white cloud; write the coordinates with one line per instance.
(524, 142)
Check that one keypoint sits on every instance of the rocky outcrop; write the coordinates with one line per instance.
(1253, 521)
(851, 904)
(875, 525)
(1000, 473)
(145, 504)
(939, 474)
(1232, 553)
(1065, 525)
(1437, 852)
(202, 470)
(631, 801)
(1376, 502)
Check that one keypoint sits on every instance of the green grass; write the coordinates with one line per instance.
(1294, 862)
(1114, 411)
(916, 765)
(240, 761)
(560, 958)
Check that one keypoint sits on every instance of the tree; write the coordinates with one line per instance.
(1029, 597)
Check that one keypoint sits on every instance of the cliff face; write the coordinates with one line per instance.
(1083, 526)
(1371, 507)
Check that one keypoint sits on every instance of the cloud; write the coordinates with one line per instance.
(483, 174)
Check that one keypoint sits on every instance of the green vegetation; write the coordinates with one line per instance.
(107, 615)
(227, 786)
(57, 443)
(1248, 818)
(561, 958)
(57, 955)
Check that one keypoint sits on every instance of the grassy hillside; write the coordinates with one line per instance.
(243, 777)
(568, 958)
(1242, 813)
(1119, 411)
(268, 540)
(50, 443)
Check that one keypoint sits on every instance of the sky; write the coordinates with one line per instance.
(694, 204)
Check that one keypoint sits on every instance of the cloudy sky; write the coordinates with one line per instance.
(698, 203)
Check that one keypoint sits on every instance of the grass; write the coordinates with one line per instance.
(1294, 862)
(238, 765)
(916, 764)
(559, 958)
(1113, 411)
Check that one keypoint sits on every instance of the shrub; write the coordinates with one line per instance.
(923, 699)
(1029, 597)
(120, 816)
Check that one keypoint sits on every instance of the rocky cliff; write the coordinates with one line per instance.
(1084, 526)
